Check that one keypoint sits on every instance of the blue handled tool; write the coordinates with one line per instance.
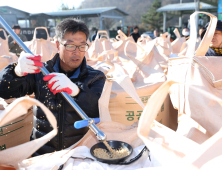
(83, 123)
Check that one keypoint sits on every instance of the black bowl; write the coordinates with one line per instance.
(115, 145)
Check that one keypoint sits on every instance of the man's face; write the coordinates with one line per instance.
(70, 60)
(155, 33)
(186, 32)
(17, 31)
(135, 30)
(217, 40)
(200, 31)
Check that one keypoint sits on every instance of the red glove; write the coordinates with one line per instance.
(59, 82)
(28, 64)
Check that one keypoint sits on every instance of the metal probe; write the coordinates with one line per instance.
(99, 134)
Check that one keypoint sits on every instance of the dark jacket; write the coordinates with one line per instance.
(211, 52)
(15, 48)
(135, 36)
(93, 37)
(90, 83)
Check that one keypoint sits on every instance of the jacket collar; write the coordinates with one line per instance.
(51, 65)
(211, 52)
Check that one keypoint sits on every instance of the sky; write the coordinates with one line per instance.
(36, 6)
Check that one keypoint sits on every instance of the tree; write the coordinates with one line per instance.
(64, 7)
(152, 18)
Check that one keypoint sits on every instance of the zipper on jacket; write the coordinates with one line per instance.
(61, 114)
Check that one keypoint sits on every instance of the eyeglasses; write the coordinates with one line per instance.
(82, 48)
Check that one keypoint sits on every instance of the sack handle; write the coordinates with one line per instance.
(144, 38)
(34, 35)
(152, 108)
(164, 35)
(113, 39)
(169, 43)
(149, 114)
(127, 43)
(100, 32)
(208, 74)
(121, 35)
(125, 82)
(154, 104)
(6, 37)
(108, 52)
(205, 43)
(176, 32)
(23, 151)
(138, 63)
(103, 37)
(104, 114)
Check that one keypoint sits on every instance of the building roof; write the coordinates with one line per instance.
(185, 7)
(14, 8)
(86, 11)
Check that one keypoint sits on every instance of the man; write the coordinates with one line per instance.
(68, 73)
(200, 32)
(156, 33)
(94, 35)
(186, 33)
(135, 34)
(13, 46)
(216, 43)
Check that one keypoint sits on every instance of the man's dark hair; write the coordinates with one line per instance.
(16, 26)
(136, 27)
(72, 25)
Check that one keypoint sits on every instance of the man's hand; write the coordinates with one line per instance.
(59, 82)
(28, 64)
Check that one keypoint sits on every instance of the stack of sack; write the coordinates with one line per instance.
(18, 128)
(201, 71)
(171, 149)
(100, 49)
(144, 66)
(161, 49)
(135, 95)
(198, 100)
(45, 48)
(177, 43)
